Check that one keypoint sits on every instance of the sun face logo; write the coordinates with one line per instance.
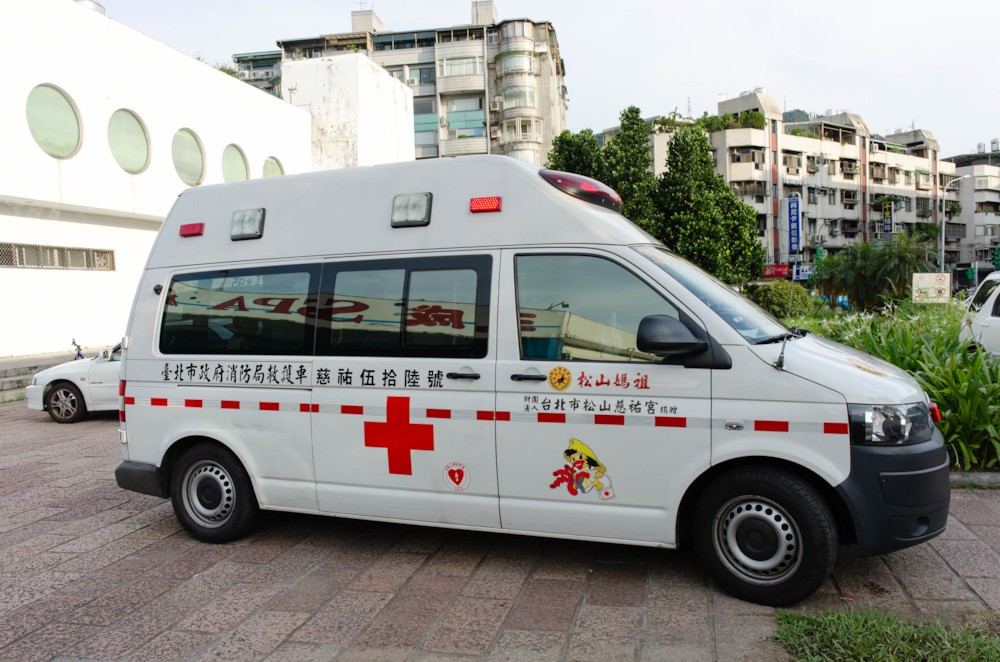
(560, 378)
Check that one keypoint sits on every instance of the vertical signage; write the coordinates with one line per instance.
(887, 214)
(793, 225)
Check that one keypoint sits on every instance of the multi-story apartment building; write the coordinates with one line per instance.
(846, 184)
(262, 70)
(487, 87)
(978, 186)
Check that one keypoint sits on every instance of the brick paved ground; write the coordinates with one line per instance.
(91, 572)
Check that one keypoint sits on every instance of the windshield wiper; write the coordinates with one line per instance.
(781, 337)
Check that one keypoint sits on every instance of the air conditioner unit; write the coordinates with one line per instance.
(495, 132)
(412, 82)
(452, 134)
(834, 231)
(443, 122)
(494, 107)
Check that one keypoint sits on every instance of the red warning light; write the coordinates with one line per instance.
(480, 205)
(192, 229)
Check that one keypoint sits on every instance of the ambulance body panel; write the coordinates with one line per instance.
(478, 343)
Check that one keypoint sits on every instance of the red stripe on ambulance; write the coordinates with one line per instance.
(197, 404)
(770, 426)
(270, 406)
(609, 419)
(670, 422)
(835, 428)
(551, 418)
(438, 413)
(230, 404)
(158, 402)
(352, 409)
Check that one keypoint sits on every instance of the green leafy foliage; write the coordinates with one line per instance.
(700, 218)
(629, 167)
(795, 115)
(578, 153)
(782, 298)
(924, 341)
(870, 274)
(876, 636)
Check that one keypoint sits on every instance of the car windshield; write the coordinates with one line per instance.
(983, 293)
(736, 310)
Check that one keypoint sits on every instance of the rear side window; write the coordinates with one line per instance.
(267, 310)
(433, 307)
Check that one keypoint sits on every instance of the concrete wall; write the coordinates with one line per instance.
(88, 200)
(361, 114)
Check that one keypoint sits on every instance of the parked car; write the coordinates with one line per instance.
(982, 321)
(69, 390)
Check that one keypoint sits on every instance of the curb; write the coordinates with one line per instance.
(981, 479)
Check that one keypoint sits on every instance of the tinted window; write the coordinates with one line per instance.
(423, 307)
(580, 307)
(241, 311)
(983, 294)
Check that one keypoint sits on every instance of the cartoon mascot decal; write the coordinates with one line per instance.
(584, 473)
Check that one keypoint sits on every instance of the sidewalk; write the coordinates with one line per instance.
(91, 572)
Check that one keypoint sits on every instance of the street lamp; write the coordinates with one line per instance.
(944, 209)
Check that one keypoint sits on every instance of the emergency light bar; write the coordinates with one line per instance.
(584, 188)
(483, 205)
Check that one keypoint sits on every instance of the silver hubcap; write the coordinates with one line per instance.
(757, 540)
(63, 403)
(209, 494)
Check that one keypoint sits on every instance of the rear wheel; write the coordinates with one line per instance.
(765, 535)
(65, 403)
(212, 495)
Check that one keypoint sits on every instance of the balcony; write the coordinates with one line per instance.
(462, 146)
(426, 151)
(851, 228)
(453, 84)
(849, 167)
(849, 197)
(955, 231)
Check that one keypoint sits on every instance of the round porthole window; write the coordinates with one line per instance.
(234, 164)
(189, 157)
(53, 121)
(272, 167)
(128, 141)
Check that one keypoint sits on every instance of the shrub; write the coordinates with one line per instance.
(783, 299)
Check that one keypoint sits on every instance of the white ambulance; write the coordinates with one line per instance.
(482, 344)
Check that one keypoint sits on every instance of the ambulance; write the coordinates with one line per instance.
(483, 344)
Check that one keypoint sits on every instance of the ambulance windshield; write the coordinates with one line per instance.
(736, 310)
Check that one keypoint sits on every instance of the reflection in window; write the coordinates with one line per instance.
(423, 307)
(234, 164)
(128, 141)
(460, 66)
(519, 97)
(268, 310)
(514, 62)
(582, 308)
(53, 121)
(188, 156)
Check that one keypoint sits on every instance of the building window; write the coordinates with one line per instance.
(53, 121)
(128, 141)
(423, 75)
(273, 167)
(188, 156)
(518, 29)
(465, 117)
(522, 128)
(234, 164)
(832, 196)
(460, 66)
(514, 62)
(30, 256)
(813, 199)
(527, 155)
(519, 97)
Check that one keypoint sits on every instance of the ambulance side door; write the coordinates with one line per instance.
(595, 439)
(404, 381)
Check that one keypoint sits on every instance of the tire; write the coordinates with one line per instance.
(212, 495)
(65, 404)
(765, 535)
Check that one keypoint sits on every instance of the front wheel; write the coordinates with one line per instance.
(212, 495)
(65, 403)
(765, 535)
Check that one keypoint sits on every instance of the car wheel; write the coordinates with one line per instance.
(765, 535)
(212, 495)
(65, 403)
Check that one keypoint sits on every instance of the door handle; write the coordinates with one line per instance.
(462, 375)
(528, 378)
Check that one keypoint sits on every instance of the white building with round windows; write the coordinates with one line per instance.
(98, 136)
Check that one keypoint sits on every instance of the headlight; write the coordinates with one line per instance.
(890, 424)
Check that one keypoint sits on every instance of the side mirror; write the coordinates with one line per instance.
(105, 355)
(667, 336)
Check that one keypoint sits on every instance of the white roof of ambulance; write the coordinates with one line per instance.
(348, 211)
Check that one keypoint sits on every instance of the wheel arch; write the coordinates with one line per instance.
(180, 446)
(841, 514)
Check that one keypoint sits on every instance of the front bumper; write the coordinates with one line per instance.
(142, 478)
(35, 395)
(898, 496)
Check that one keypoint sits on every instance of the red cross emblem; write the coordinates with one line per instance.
(398, 436)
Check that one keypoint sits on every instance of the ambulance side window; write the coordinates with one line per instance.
(241, 311)
(582, 308)
(433, 307)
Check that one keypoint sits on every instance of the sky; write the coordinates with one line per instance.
(899, 64)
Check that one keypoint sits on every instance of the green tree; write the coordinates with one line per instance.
(629, 167)
(871, 274)
(783, 299)
(578, 153)
(699, 217)
(795, 115)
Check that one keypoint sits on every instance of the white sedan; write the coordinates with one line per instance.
(69, 390)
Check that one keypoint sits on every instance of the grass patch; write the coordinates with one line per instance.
(873, 635)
